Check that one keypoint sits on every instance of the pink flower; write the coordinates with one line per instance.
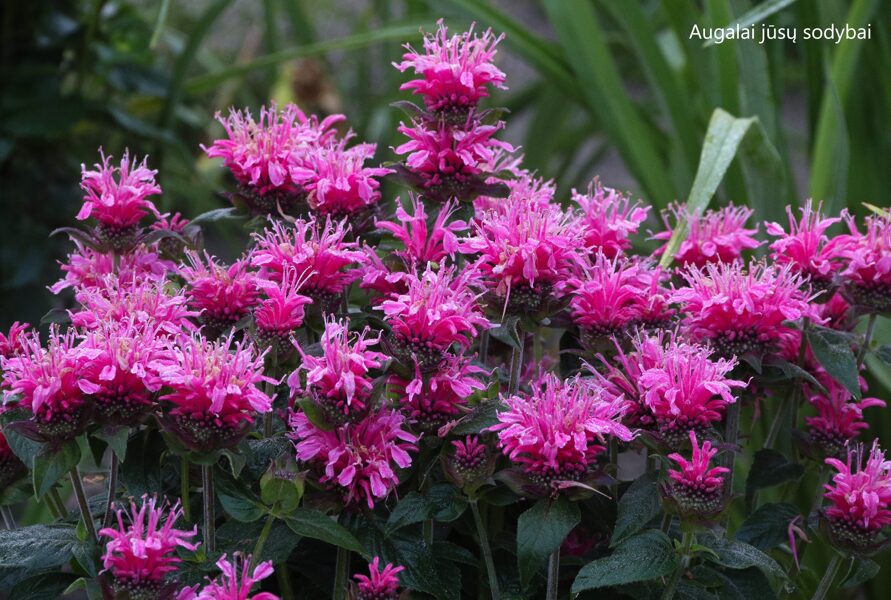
(535, 191)
(420, 243)
(717, 236)
(87, 267)
(741, 311)
(470, 456)
(222, 294)
(839, 417)
(172, 246)
(357, 458)
(339, 183)
(379, 279)
(340, 379)
(214, 389)
(455, 72)
(282, 311)
(608, 218)
(859, 497)
(697, 488)
(235, 582)
(142, 553)
(866, 277)
(806, 246)
(261, 154)
(379, 584)
(557, 431)
(117, 196)
(14, 342)
(309, 247)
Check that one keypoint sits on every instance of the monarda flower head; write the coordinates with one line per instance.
(267, 157)
(556, 433)
(717, 236)
(86, 267)
(432, 400)
(318, 250)
(281, 312)
(696, 489)
(422, 244)
(379, 584)
(522, 183)
(866, 278)
(608, 219)
(470, 462)
(839, 419)
(223, 294)
(437, 310)
(859, 497)
(117, 197)
(141, 552)
(740, 311)
(214, 390)
(357, 459)
(455, 72)
(807, 247)
(339, 380)
(13, 342)
(180, 233)
(235, 582)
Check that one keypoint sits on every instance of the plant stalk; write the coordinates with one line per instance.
(867, 339)
(686, 546)
(484, 346)
(516, 365)
(261, 541)
(112, 489)
(184, 488)
(8, 518)
(731, 437)
(553, 574)
(341, 574)
(486, 549)
(208, 497)
(284, 581)
(78, 486)
(828, 577)
(57, 506)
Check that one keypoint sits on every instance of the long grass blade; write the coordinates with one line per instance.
(159, 23)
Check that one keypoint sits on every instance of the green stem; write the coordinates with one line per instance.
(8, 518)
(686, 546)
(78, 486)
(284, 581)
(112, 489)
(780, 418)
(484, 347)
(516, 365)
(828, 576)
(341, 574)
(553, 574)
(614, 461)
(666, 523)
(867, 338)
(57, 506)
(261, 541)
(184, 488)
(208, 498)
(428, 531)
(731, 437)
(486, 549)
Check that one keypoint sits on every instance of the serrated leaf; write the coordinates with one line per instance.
(319, 526)
(832, 350)
(883, 353)
(766, 527)
(38, 546)
(735, 554)
(315, 414)
(412, 508)
(483, 416)
(507, 332)
(43, 586)
(116, 438)
(23, 447)
(864, 569)
(541, 530)
(219, 214)
(770, 468)
(50, 465)
(428, 570)
(242, 505)
(446, 501)
(638, 506)
(642, 557)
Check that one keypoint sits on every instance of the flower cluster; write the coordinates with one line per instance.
(117, 197)
(379, 584)
(866, 278)
(696, 488)
(608, 219)
(235, 582)
(717, 236)
(223, 295)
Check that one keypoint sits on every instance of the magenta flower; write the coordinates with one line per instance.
(696, 488)
(455, 72)
(470, 460)
(437, 310)
(234, 583)
(283, 309)
(556, 432)
(117, 196)
(222, 294)
(859, 497)
(839, 417)
(717, 236)
(172, 246)
(379, 584)
(741, 311)
(534, 191)
(380, 279)
(866, 277)
(806, 246)
(608, 219)
(358, 459)
(142, 553)
(13, 342)
(88, 268)
(214, 390)
(423, 244)
(339, 381)
(339, 183)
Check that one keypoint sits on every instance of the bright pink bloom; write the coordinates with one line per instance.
(261, 154)
(470, 455)
(697, 487)
(223, 294)
(522, 184)
(340, 379)
(867, 275)
(358, 458)
(609, 218)
(143, 551)
(806, 246)
(740, 311)
(170, 245)
(558, 430)
(839, 417)
(117, 196)
(13, 343)
(420, 243)
(379, 584)
(380, 278)
(235, 582)
(87, 267)
(455, 71)
(282, 311)
(717, 236)
(339, 183)
(859, 496)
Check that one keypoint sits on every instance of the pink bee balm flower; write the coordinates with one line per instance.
(357, 458)
(717, 236)
(866, 277)
(13, 343)
(379, 279)
(696, 488)
(437, 310)
(379, 584)
(806, 246)
(116, 196)
(214, 390)
(235, 582)
(223, 294)
(447, 163)
(283, 309)
(142, 553)
(88, 268)
(859, 497)
(172, 246)
(557, 431)
(420, 243)
(433, 400)
(339, 380)
(741, 311)
(535, 191)
(608, 218)
(470, 459)
(320, 251)
(839, 417)
(455, 71)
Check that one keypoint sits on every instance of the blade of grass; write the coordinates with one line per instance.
(159, 23)
(757, 14)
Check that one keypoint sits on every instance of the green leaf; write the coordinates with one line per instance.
(757, 14)
(743, 584)
(770, 468)
(864, 569)
(241, 504)
(319, 526)
(281, 492)
(218, 214)
(43, 586)
(50, 465)
(483, 416)
(315, 414)
(38, 546)
(507, 332)
(883, 353)
(638, 506)
(428, 570)
(412, 508)
(116, 438)
(541, 530)
(642, 557)
(23, 447)
(446, 502)
(832, 350)
(735, 554)
(766, 527)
